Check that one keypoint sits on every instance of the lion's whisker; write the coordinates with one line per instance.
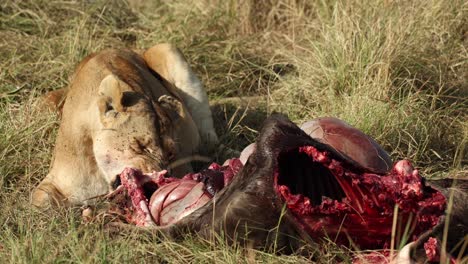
(188, 159)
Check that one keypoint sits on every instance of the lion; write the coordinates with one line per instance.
(123, 109)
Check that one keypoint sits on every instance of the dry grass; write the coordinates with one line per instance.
(395, 69)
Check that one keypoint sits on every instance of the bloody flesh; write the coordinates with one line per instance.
(361, 209)
(327, 193)
(432, 250)
(363, 203)
(157, 199)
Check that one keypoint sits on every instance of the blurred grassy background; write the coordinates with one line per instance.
(398, 70)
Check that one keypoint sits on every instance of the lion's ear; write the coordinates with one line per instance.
(114, 90)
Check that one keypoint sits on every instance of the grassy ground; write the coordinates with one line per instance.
(398, 70)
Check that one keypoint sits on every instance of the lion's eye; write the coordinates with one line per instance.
(110, 111)
(108, 107)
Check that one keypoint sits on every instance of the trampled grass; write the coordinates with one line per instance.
(398, 70)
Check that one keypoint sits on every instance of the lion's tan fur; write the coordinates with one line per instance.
(123, 109)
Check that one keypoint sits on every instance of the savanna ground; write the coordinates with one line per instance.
(398, 70)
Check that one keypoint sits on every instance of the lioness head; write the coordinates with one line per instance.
(117, 114)
(131, 131)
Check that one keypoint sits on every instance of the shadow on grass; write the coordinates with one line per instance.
(237, 122)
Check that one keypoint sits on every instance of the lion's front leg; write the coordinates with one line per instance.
(46, 194)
